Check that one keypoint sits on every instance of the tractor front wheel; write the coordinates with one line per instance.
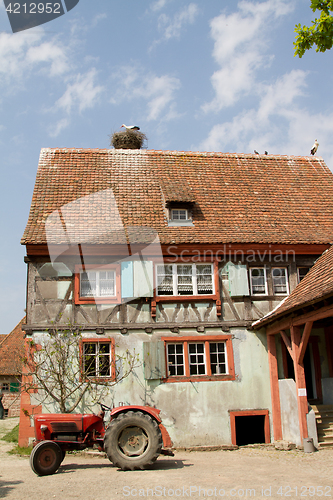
(133, 440)
(45, 458)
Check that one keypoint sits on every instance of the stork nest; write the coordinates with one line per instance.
(128, 139)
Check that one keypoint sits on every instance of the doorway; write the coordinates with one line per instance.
(249, 427)
(312, 369)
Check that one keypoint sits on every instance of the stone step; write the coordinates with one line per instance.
(319, 408)
(326, 422)
(325, 444)
(325, 425)
(325, 435)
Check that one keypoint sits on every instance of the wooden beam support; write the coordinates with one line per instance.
(275, 393)
(286, 341)
(324, 312)
(302, 400)
(304, 342)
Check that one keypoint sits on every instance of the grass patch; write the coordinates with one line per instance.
(12, 436)
(22, 451)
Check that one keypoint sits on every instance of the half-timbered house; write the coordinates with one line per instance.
(176, 254)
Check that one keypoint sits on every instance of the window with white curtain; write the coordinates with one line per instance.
(100, 283)
(185, 279)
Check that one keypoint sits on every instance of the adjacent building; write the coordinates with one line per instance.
(11, 352)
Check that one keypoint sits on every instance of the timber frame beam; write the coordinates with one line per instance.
(296, 346)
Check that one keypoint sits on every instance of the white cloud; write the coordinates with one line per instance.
(50, 53)
(172, 27)
(278, 125)
(54, 130)
(158, 5)
(13, 50)
(82, 93)
(157, 91)
(22, 54)
(240, 46)
(278, 96)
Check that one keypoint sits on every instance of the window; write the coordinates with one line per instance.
(301, 273)
(5, 387)
(97, 357)
(258, 281)
(185, 279)
(194, 358)
(179, 214)
(101, 285)
(98, 284)
(280, 281)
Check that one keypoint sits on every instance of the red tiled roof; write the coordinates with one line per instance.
(11, 351)
(317, 285)
(237, 198)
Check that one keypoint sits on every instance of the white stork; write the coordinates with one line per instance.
(314, 147)
(130, 127)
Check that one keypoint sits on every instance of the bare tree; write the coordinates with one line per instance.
(62, 367)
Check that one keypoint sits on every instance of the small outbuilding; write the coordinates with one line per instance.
(300, 350)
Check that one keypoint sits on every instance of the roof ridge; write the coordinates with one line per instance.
(178, 152)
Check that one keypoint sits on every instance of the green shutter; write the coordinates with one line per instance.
(154, 360)
(143, 278)
(238, 280)
(14, 387)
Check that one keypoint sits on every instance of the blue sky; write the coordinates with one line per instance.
(208, 75)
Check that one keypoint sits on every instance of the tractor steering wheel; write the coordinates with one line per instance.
(104, 408)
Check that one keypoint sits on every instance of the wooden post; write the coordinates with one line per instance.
(275, 393)
(302, 400)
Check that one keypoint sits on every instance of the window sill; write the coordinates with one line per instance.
(181, 298)
(97, 300)
(174, 223)
(268, 297)
(101, 380)
(199, 378)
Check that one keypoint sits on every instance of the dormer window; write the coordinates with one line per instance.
(179, 214)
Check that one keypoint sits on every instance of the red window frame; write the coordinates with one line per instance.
(182, 298)
(216, 297)
(104, 340)
(96, 300)
(205, 340)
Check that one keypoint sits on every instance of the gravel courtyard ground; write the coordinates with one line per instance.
(244, 473)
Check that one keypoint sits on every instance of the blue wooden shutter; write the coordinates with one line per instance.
(127, 287)
(238, 280)
(143, 278)
(154, 360)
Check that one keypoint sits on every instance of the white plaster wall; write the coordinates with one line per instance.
(198, 413)
(195, 413)
(289, 411)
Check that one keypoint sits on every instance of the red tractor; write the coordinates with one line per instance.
(134, 438)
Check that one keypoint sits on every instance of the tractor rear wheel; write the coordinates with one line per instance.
(45, 458)
(133, 440)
